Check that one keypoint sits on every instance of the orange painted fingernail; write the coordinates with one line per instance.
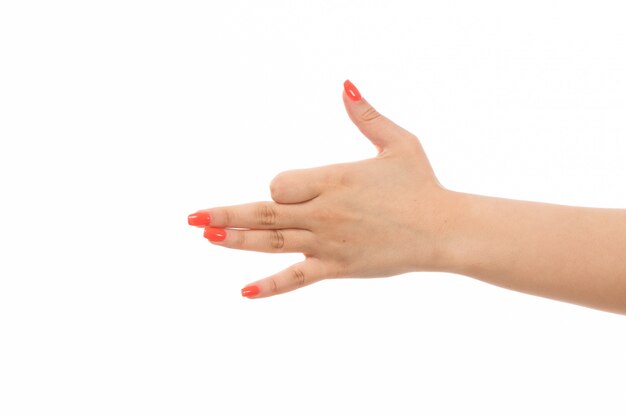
(200, 218)
(250, 290)
(214, 234)
(351, 90)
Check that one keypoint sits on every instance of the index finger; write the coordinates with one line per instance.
(259, 215)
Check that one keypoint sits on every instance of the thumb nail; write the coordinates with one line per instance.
(351, 90)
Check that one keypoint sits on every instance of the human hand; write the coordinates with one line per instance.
(373, 218)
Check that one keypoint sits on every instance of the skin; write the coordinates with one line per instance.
(389, 215)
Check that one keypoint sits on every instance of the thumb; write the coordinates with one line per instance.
(296, 276)
(382, 132)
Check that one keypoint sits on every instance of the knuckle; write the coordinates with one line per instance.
(273, 286)
(266, 215)
(328, 215)
(277, 240)
(370, 114)
(412, 137)
(297, 276)
(412, 142)
(240, 240)
(227, 215)
(341, 269)
(277, 186)
(323, 215)
(337, 175)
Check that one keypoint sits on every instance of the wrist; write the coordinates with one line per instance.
(455, 240)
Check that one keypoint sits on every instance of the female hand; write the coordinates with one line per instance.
(378, 217)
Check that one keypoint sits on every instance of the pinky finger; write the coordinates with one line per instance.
(296, 276)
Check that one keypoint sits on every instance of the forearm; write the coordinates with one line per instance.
(575, 254)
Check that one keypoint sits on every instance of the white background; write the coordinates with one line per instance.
(119, 118)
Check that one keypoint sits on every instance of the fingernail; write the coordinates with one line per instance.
(250, 290)
(200, 218)
(214, 234)
(351, 90)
